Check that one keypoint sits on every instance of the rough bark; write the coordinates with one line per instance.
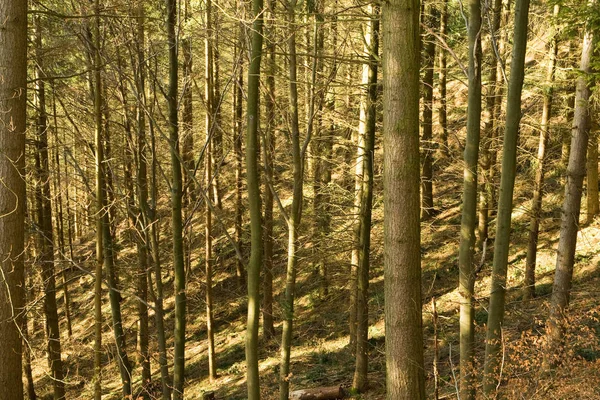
(402, 255)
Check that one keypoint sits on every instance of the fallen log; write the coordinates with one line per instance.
(324, 393)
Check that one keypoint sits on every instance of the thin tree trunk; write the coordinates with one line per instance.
(360, 381)
(269, 152)
(492, 102)
(99, 205)
(295, 213)
(563, 275)
(60, 221)
(358, 188)
(238, 111)
(27, 348)
(405, 379)
(44, 221)
(493, 346)
(209, 185)
(538, 191)
(592, 178)
(466, 284)
(176, 206)
(149, 219)
(253, 181)
(443, 72)
(427, 204)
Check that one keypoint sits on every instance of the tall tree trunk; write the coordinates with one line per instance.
(402, 256)
(538, 191)
(295, 213)
(360, 381)
(427, 204)
(187, 115)
(60, 221)
(269, 152)
(253, 181)
(492, 102)
(567, 135)
(238, 112)
(44, 222)
(209, 185)
(442, 78)
(466, 284)
(97, 85)
(176, 206)
(321, 218)
(493, 345)
(563, 275)
(148, 217)
(359, 167)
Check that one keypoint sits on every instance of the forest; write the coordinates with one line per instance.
(299, 199)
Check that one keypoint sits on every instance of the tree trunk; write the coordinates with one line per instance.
(253, 181)
(60, 220)
(442, 111)
(269, 152)
(360, 381)
(492, 102)
(209, 184)
(563, 275)
(295, 213)
(592, 177)
(99, 205)
(176, 206)
(405, 378)
(148, 216)
(538, 190)
(427, 205)
(44, 222)
(509, 156)
(466, 285)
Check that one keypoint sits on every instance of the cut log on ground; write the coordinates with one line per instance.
(324, 393)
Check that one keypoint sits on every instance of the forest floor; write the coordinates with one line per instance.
(321, 355)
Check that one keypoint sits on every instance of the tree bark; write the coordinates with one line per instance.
(269, 152)
(538, 189)
(513, 116)
(211, 128)
(402, 255)
(466, 285)
(565, 258)
(442, 80)
(295, 213)
(427, 204)
(253, 182)
(44, 222)
(176, 206)
(97, 85)
(360, 381)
